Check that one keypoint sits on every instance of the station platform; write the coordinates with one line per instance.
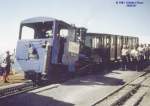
(81, 91)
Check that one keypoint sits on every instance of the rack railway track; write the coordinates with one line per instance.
(20, 88)
(128, 95)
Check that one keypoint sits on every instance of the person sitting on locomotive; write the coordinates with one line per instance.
(134, 54)
(124, 57)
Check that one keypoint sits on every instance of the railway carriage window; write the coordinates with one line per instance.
(104, 41)
(27, 33)
(126, 40)
(100, 42)
(118, 41)
(133, 42)
(107, 40)
(112, 40)
(130, 41)
(64, 32)
(96, 42)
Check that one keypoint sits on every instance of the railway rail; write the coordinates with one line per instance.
(128, 95)
(24, 87)
(120, 97)
(20, 88)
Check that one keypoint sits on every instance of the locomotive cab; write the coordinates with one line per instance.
(44, 43)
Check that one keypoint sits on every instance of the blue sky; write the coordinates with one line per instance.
(103, 16)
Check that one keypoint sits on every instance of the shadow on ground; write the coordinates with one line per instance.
(32, 99)
(96, 80)
(99, 78)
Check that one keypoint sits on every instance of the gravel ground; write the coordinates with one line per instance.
(16, 78)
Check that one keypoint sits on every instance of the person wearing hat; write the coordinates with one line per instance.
(7, 68)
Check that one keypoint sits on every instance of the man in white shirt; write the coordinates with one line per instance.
(124, 56)
(134, 58)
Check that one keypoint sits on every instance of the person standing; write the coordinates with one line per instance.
(1, 71)
(134, 58)
(7, 68)
(141, 57)
(124, 56)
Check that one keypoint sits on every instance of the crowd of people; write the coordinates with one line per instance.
(135, 58)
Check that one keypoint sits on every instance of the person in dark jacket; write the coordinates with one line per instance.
(7, 68)
(1, 72)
